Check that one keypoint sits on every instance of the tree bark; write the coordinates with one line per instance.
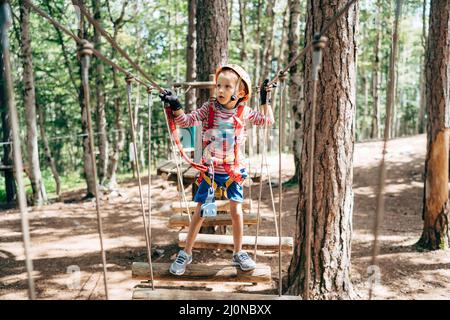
(191, 66)
(295, 85)
(436, 199)
(212, 40)
(29, 97)
(100, 101)
(333, 158)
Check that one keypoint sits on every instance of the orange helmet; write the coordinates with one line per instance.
(243, 75)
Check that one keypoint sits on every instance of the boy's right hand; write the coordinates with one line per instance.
(172, 100)
(263, 92)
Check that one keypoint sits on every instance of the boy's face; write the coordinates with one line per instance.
(226, 87)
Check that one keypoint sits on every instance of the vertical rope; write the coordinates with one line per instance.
(258, 216)
(280, 187)
(5, 23)
(264, 163)
(178, 162)
(86, 52)
(269, 178)
(180, 176)
(319, 44)
(149, 194)
(135, 151)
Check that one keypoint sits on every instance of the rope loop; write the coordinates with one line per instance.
(86, 48)
(129, 78)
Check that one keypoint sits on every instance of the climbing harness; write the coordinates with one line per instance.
(209, 208)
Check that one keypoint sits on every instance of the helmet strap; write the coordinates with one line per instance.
(233, 96)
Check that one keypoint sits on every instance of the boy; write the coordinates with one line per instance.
(223, 120)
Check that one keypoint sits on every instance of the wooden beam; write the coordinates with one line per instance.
(177, 294)
(215, 241)
(222, 205)
(178, 221)
(203, 272)
(196, 85)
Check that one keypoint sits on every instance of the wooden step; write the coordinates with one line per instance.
(203, 272)
(215, 241)
(178, 221)
(222, 205)
(177, 294)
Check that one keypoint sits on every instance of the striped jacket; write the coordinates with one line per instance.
(222, 133)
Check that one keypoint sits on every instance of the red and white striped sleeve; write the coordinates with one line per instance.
(193, 118)
(256, 118)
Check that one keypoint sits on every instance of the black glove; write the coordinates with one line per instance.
(263, 92)
(172, 100)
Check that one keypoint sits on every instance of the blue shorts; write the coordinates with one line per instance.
(235, 191)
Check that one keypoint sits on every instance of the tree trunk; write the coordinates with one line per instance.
(7, 159)
(267, 53)
(230, 20)
(257, 50)
(295, 85)
(333, 158)
(375, 123)
(212, 46)
(47, 151)
(364, 128)
(437, 205)
(29, 97)
(100, 100)
(119, 139)
(422, 105)
(391, 87)
(212, 40)
(190, 55)
(242, 29)
(281, 59)
(87, 162)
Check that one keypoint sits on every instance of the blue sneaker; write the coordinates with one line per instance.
(243, 260)
(178, 267)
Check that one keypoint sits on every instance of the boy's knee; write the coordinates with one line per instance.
(235, 208)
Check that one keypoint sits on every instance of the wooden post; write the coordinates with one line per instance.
(5, 23)
(85, 53)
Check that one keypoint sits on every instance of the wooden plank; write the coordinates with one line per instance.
(184, 167)
(215, 241)
(164, 164)
(203, 272)
(222, 205)
(177, 294)
(178, 221)
(191, 173)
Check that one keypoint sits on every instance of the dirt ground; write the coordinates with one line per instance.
(65, 239)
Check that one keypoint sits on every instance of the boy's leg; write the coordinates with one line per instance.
(194, 228)
(238, 224)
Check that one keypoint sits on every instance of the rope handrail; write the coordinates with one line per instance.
(310, 44)
(114, 44)
(80, 42)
